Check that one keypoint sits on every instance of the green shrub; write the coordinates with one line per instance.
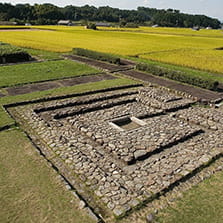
(131, 25)
(96, 55)
(178, 76)
(11, 54)
(92, 26)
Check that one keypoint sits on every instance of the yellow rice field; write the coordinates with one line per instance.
(210, 60)
(171, 45)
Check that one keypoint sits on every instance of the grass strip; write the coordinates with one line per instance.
(36, 72)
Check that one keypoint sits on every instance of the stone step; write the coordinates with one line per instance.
(52, 106)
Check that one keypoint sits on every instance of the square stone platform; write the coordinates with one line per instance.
(121, 148)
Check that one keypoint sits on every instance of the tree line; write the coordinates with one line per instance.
(44, 14)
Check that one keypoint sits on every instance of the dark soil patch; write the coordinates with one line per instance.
(16, 57)
(199, 93)
(219, 48)
(29, 88)
(220, 87)
(127, 62)
(99, 64)
(32, 88)
(82, 80)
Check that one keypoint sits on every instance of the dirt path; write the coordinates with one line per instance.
(199, 93)
(127, 69)
(28, 88)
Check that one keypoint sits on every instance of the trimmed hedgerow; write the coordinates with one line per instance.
(11, 54)
(178, 76)
(96, 55)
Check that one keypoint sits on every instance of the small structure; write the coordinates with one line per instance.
(208, 27)
(196, 28)
(103, 24)
(155, 26)
(8, 23)
(65, 23)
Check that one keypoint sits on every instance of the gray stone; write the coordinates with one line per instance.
(139, 153)
(92, 215)
(82, 204)
(149, 218)
(118, 212)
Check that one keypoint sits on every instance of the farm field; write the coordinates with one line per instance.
(153, 44)
(169, 31)
(208, 60)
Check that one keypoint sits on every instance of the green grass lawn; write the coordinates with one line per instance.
(29, 189)
(35, 72)
(43, 55)
(202, 204)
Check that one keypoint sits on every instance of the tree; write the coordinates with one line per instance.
(50, 14)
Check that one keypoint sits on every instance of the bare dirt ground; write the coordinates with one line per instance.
(86, 79)
(12, 91)
(127, 69)
(199, 93)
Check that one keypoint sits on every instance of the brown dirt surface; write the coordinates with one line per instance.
(199, 93)
(83, 80)
(31, 88)
(28, 88)
(128, 62)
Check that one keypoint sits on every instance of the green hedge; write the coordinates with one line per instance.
(178, 76)
(11, 54)
(96, 55)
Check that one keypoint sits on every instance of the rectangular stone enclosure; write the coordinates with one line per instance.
(127, 123)
(121, 147)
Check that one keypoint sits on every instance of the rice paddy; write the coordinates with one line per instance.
(184, 47)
